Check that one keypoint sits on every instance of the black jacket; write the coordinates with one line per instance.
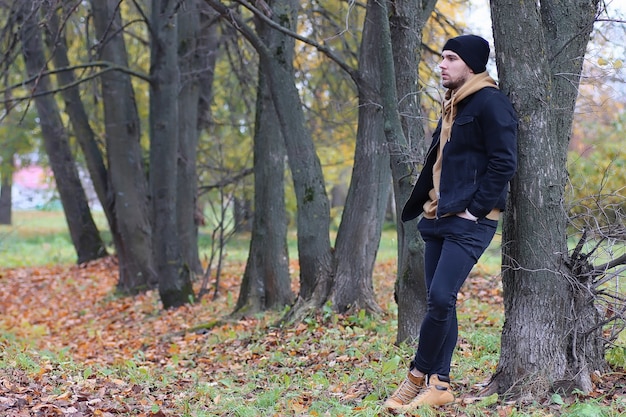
(478, 162)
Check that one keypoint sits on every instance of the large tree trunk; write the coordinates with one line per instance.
(83, 231)
(208, 47)
(357, 245)
(175, 287)
(313, 218)
(266, 283)
(407, 19)
(57, 45)
(567, 44)
(128, 185)
(6, 188)
(346, 282)
(188, 105)
(539, 55)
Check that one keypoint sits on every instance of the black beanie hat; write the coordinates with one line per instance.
(472, 49)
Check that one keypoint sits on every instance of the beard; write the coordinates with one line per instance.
(453, 84)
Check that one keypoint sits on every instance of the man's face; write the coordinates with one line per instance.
(454, 71)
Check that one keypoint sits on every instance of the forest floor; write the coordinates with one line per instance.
(71, 347)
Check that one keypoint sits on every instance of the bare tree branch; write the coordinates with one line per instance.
(241, 26)
(600, 269)
(106, 67)
(234, 179)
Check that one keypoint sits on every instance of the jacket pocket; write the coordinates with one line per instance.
(463, 120)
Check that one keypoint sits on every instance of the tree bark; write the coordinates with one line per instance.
(188, 102)
(175, 288)
(407, 146)
(208, 47)
(319, 281)
(7, 169)
(313, 217)
(83, 231)
(356, 246)
(266, 282)
(57, 45)
(6, 188)
(128, 185)
(543, 344)
(567, 43)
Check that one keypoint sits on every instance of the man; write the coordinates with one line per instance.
(460, 193)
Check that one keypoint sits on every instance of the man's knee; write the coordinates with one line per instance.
(440, 306)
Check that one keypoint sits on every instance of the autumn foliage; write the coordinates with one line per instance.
(72, 347)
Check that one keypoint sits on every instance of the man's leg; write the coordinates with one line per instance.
(438, 334)
(464, 242)
(412, 384)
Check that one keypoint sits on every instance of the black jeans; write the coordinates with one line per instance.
(452, 247)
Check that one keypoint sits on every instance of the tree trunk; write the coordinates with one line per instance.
(208, 47)
(567, 44)
(407, 144)
(128, 185)
(82, 228)
(175, 287)
(242, 213)
(7, 169)
(188, 102)
(543, 346)
(266, 283)
(313, 219)
(356, 246)
(57, 45)
(318, 282)
(6, 199)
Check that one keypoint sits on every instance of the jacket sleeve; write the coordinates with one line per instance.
(415, 204)
(419, 195)
(498, 122)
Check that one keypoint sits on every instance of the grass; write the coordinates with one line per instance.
(38, 238)
(329, 365)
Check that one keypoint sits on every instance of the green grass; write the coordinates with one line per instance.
(38, 238)
(334, 366)
(337, 366)
(41, 238)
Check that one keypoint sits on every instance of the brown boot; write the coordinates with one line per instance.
(406, 392)
(437, 392)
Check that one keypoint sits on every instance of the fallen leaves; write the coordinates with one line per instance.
(91, 397)
(74, 311)
(88, 352)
